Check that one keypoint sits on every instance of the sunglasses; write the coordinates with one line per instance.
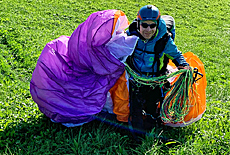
(145, 25)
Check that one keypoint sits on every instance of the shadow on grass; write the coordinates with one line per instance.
(41, 135)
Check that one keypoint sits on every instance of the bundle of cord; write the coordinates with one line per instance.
(177, 103)
(153, 81)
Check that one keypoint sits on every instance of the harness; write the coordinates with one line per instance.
(158, 49)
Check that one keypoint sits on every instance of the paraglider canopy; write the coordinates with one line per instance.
(74, 74)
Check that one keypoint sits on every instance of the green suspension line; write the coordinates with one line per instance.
(177, 103)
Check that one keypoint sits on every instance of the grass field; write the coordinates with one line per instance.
(202, 27)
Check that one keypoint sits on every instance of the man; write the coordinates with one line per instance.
(149, 59)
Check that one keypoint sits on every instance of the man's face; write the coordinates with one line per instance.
(147, 28)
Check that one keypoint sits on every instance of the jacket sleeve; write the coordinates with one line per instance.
(174, 54)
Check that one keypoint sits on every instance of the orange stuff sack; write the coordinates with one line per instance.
(198, 95)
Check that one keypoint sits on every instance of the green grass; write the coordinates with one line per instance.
(202, 27)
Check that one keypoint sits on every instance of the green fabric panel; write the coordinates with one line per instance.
(161, 62)
(169, 56)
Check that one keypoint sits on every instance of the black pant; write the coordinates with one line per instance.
(143, 97)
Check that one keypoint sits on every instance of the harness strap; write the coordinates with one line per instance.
(159, 47)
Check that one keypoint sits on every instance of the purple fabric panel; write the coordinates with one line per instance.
(121, 46)
(87, 44)
(73, 75)
(63, 95)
